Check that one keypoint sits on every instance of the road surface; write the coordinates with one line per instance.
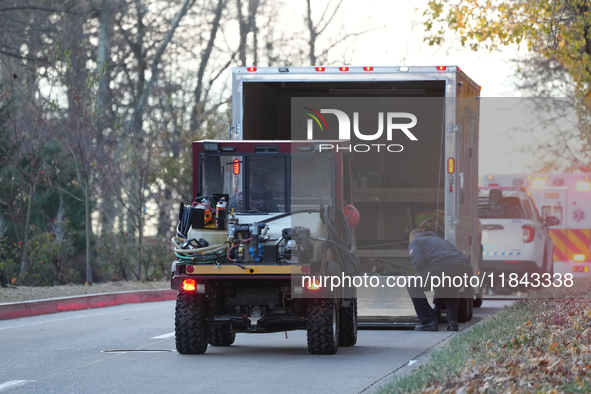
(130, 349)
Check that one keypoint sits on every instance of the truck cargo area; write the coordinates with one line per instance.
(390, 190)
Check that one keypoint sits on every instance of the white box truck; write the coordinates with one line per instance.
(419, 170)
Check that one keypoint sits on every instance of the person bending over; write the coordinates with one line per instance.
(431, 255)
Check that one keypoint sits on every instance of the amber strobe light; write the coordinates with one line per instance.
(189, 284)
(236, 166)
(451, 165)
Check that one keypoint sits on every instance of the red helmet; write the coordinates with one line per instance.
(352, 215)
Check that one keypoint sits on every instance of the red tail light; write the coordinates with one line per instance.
(367, 68)
(189, 285)
(314, 284)
(251, 69)
(441, 68)
(528, 233)
(320, 68)
(344, 68)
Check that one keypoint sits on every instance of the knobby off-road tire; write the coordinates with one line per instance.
(348, 324)
(322, 323)
(221, 336)
(190, 323)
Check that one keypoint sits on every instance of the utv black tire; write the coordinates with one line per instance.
(464, 310)
(190, 323)
(348, 324)
(322, 323)
(221, 336)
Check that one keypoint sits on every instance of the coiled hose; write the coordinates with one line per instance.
(340, 235)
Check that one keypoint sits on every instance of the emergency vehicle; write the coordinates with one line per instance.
(567, 197)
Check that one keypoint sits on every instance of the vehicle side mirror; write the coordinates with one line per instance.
(552, 221)
(495, 200)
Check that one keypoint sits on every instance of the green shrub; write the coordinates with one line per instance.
(9, 262)
(50, 256)
(156, 257)
(117, 256)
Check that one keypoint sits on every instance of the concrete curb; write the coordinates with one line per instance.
(14, 310)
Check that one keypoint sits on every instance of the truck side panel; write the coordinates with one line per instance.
(467, 119)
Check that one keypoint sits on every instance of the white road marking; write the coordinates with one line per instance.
(13, 383)
(169, 335)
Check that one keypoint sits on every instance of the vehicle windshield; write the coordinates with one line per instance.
(269, 183)
(512, 209)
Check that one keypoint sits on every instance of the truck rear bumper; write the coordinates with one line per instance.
(273, 323)
(499, 267)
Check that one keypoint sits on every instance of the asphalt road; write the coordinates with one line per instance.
(130, 349)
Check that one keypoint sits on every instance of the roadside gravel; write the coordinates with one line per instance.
(24, 293)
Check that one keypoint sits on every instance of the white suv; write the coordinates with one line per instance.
(515, 238)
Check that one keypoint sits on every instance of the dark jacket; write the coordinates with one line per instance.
(428, 249)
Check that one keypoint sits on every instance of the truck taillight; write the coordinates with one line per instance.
(313, 284)
(320, 69)
(367, 68)
(251, 69)
(343, 68)
(451, 165)
(528, 233)
(189, 284)
(236, 167)
(441, 68)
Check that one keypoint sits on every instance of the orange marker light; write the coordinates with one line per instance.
(236, 166)
(189, 285)
(451, 165)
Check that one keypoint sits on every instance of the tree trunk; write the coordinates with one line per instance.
(26, 232)
(88, 234)
(101, 60)
(243, 30)
(312, 29)
(253, 5)
(139, 247)
(198, 108)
